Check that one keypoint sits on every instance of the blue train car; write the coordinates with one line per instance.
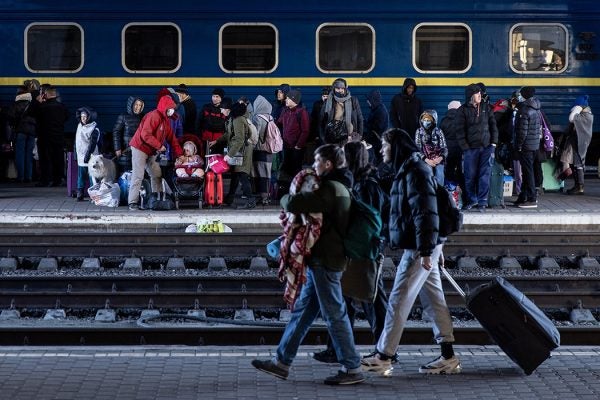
(98, 53)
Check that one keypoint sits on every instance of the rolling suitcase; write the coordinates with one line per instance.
(517, 325)
(496, 196)
(213, 189)
(72, 175)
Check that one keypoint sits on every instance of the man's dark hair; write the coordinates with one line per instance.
(357, 156)
(333, 153)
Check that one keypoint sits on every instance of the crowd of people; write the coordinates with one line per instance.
(461, 148)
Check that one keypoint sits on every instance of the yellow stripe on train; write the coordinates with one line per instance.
(524, 80)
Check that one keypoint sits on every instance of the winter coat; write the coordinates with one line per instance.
(477, 125)
(431, 142)
(450, 128)
(189, 123)
(378, 119)
(86, 137)
(51, 118)
(528, 125)
(261, 107)
(332, 199)
(124, 129)
(405, 109)
(296, 125)
(237, 132)
(20, 116)
(155, 129)
(356, 117)
(583, 121)
(211, 122)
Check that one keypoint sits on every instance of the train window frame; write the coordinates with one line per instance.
(276, 47)
(148, 71)
(344, 71)
(53, 71)
(547, 24)
(441, 24)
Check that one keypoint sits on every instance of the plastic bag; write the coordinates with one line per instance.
(105, 194)
(212, 226)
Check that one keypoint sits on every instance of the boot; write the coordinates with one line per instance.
(79, 194)
(578, 178)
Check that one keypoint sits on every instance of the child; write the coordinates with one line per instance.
(189, 164)
(431, 142)
(86, 144)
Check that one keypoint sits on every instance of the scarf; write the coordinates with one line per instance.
(346, 101)
(300, 233)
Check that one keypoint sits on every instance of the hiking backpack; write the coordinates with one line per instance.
(273, 142)
(362, 239)
(253, 133)
(451, 218)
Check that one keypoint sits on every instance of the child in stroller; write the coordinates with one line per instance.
(188, 179)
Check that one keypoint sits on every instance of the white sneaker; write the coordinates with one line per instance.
(374, 363)
(442, 366)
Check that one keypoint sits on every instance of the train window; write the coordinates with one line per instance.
(53, 47)
(151, 47)
(442, 47)
(248, 47)
(538, 48)
(347, 47)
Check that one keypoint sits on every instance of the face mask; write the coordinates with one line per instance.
(170, 112)
(426, 124)
(520, 99)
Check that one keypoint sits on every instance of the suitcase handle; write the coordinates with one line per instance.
(453, 282)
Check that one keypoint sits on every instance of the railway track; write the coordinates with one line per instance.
(82, 292)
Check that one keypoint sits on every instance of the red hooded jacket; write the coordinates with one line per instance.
(155, 129)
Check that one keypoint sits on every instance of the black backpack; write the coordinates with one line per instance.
(451, 218)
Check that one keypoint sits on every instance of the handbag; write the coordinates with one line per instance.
(217, 163)
(161, 201)
(335, 131)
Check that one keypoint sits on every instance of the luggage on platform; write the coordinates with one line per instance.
(513, 321)
(213, 189)
(551, 183)
(496, 195)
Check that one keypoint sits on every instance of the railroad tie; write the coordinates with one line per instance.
(8, 264)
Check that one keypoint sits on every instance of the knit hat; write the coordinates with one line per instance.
(181, 89)
(340, 83)
(527, 92)
(582, 101)
(325, 90)
(295, 95)
(219, 92)
(284, 87)
(454, 104)
(226, 103)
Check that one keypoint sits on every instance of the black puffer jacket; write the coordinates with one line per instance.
(450, 128)
(477, 123)
(406, 109)
(20, 117)
(414, 222)
(124, 129)
(528, 125)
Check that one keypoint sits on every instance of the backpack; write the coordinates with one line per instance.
(547, 138)
(451, 218)
(273, 142)
(363, 237)
(253, 134)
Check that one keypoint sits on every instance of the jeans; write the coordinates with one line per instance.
(438, 172)
(24, 156)
(82, 177)
(413, 280)
(477, 166)
(321, 292)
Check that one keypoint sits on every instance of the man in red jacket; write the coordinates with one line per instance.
(146, 143)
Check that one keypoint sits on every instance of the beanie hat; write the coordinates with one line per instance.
(219, 92)
(340, 83)
(582, 101)
(325, 90)
(226, 103)
(181, 89)
(295, 95)
(284, 87)
(527, 92)
(454, 104)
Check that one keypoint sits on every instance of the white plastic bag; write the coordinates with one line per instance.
(105, 194)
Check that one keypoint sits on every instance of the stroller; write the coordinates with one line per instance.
(188, 178)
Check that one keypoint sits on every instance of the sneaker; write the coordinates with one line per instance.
(270, 367)
(528, 204)
(469, 206)
(326, 356)
(442, 365)
(134, 206)
(518, 202)
(481, 208)
(394, 358)
(345, 378)
(377, 363)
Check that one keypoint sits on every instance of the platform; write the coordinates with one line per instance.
(27, 206)
(206, 373)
